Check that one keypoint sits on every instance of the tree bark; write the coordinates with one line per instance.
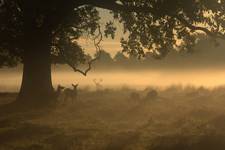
(36, 84)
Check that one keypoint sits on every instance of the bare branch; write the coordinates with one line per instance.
(97, 40)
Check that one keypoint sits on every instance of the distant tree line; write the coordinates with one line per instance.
(204, 54)
(121, 61)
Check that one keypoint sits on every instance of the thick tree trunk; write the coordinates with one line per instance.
(36, 84)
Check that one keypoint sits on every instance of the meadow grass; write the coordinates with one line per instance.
(186, 118)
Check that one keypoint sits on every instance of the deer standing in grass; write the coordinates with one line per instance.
(98, 84)
(59, 92)
(71, 94)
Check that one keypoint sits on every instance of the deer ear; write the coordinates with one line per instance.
(74, 85)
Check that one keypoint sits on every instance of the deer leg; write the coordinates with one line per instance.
(72, 98)
(64, 100)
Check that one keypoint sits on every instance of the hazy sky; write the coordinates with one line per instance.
(111, 45)
(205, 55)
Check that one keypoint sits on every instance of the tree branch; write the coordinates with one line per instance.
(197, 28)
(97, 40)
(109, 4)
(114, 6)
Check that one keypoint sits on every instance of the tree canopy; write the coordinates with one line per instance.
(154, 25)
(57, 20)
(120, 57)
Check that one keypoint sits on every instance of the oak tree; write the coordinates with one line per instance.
(37, 33)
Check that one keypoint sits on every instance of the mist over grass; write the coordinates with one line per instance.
(175, 118)
(10, 82)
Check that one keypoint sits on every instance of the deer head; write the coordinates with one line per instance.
(94, 80)
(97, 82)
(75, 86)
(60, 87)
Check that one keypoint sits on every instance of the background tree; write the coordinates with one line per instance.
(120, 58)
(105, 60)
(31, 32)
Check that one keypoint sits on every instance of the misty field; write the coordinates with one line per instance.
(174, 118)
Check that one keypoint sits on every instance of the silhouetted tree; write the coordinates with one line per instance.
(120, 58)
(148, 55)
(133, 57)
(104, 60)
(31, 31)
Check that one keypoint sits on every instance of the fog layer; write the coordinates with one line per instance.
(114, 79)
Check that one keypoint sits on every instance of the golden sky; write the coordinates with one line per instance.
(110, 45)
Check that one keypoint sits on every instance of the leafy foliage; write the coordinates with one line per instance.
(162, 25)
(110, 30)
(156, 26)
(63, 26)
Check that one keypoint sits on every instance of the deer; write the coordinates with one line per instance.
(98, 84)
(152, 94)
(71, 94)
(134, 97)
(59, 92)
